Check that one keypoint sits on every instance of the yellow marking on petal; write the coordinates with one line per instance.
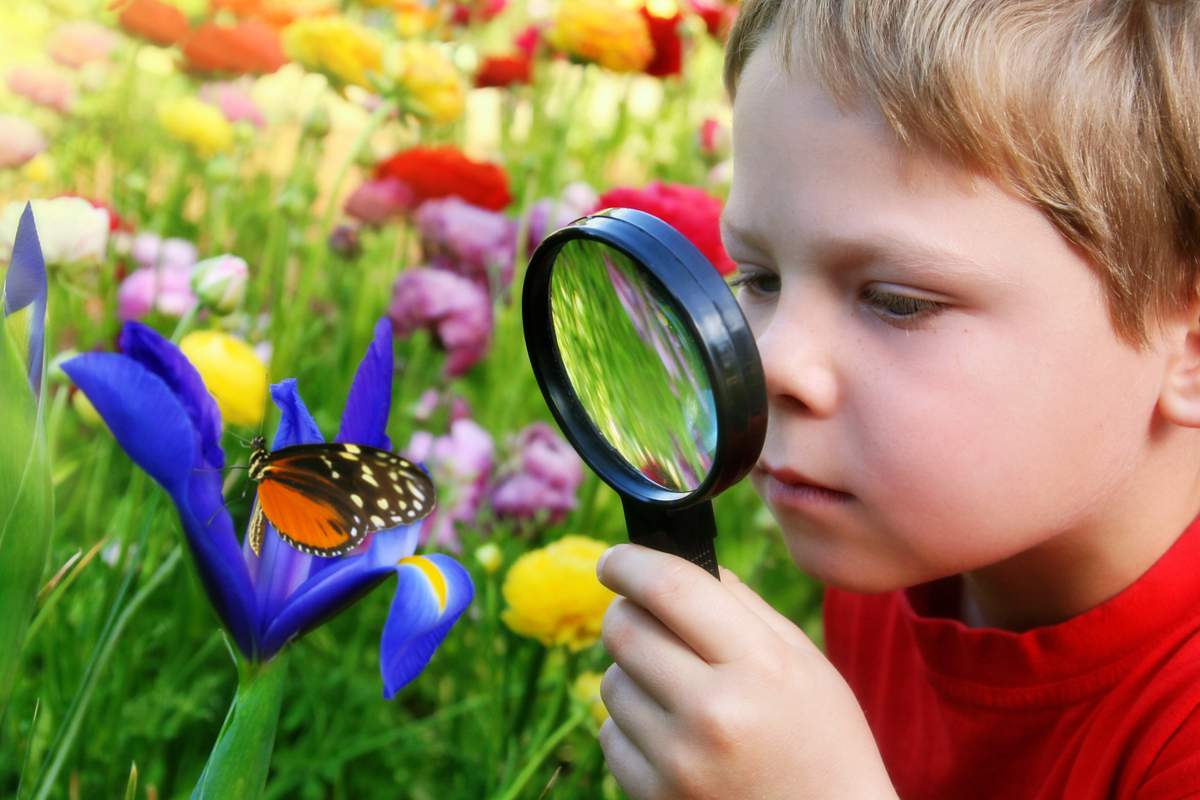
(437, 581)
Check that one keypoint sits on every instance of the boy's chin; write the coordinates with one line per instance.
(846, 570)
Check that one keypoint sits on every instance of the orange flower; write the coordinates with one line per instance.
(153, 20)
(611, 35)
(276, 13)
(247, 48)
(444, 171)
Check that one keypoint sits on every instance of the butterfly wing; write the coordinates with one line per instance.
(324, 498)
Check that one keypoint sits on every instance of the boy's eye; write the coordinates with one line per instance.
(755, 283)
(899, 308)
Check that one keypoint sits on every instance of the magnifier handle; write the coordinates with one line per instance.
(685, 532)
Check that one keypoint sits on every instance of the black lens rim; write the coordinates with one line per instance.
(703, 302)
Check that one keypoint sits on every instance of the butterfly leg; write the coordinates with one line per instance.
(257, 529)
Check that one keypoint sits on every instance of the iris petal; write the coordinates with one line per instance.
(151, 424)
(369, 403)
(282, 568)
(25, 284)
(423, 611)
(322, 597)
(164, 359)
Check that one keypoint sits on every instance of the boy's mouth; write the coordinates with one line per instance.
(786, 486)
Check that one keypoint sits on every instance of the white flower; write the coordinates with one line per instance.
(71, 230)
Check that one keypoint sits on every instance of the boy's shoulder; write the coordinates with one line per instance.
(1078, 709)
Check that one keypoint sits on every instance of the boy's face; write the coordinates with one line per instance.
(933, 348)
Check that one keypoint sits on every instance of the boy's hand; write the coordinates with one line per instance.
(715, 694)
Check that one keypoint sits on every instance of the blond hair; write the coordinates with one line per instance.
(1089, 109)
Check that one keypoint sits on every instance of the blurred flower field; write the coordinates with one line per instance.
(309, 220)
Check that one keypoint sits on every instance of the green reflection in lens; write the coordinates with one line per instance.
(633, 365)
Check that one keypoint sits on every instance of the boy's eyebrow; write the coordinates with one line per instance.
(901, 250)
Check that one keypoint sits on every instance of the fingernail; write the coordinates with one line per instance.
(603, 557)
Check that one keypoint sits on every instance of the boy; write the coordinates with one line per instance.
(968, 236)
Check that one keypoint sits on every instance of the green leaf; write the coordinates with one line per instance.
(241, 757)
(26, 507)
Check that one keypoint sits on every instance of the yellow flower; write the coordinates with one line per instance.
(413, 18)
(335, 46)
(553, 594)
(433, 85)
(197, 124)
(233, 374)
(586, 690)
(611, 35)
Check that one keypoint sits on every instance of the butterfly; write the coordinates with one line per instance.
(324, 498)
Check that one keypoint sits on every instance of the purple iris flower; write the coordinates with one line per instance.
(159, 411)
(24, 285)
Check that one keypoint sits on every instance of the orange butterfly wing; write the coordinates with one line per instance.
(309, 523)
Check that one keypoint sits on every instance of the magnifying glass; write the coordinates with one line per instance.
(651, 371)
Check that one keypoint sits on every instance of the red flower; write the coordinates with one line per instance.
(693, 212)
(668, 46)
(504, 70)
(153, 20)
(527, 41)
(718, 16)
(464, 13)
(247, 48)
(444, 171)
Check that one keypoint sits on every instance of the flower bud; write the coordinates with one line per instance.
(220, 282)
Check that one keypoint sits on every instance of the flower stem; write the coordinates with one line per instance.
(241, 755)
(535, 761)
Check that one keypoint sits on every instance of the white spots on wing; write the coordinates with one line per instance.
(382, 503)
(415, 491)
(370, 479)
(358, 501)
(378, 521)
(335, 474)
(352, 448)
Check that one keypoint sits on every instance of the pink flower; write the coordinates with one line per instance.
(75, 44)
(460, 463)
(234, 100)
(374, 202)
(545, 480)
(455, 310)
(548, 215)
(713, 138)
(20, 141)
(151, 250)
(167, 290)
(467, 239)
(42, 86)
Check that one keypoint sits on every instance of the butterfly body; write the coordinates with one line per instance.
(324, 498)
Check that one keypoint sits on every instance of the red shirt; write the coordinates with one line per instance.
(1104, 705)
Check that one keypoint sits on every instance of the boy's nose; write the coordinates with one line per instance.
(798, 370)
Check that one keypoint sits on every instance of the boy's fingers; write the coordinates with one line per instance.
(699, 610)
(649, 653)
(628, 765)
(783, 627)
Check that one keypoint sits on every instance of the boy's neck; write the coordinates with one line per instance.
(1079, 569)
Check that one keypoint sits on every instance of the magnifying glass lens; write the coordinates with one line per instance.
(633, 365)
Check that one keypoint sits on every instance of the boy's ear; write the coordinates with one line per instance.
(1179, 399)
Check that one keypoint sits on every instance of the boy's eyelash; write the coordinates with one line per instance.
(897, 309)
(901, 309)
